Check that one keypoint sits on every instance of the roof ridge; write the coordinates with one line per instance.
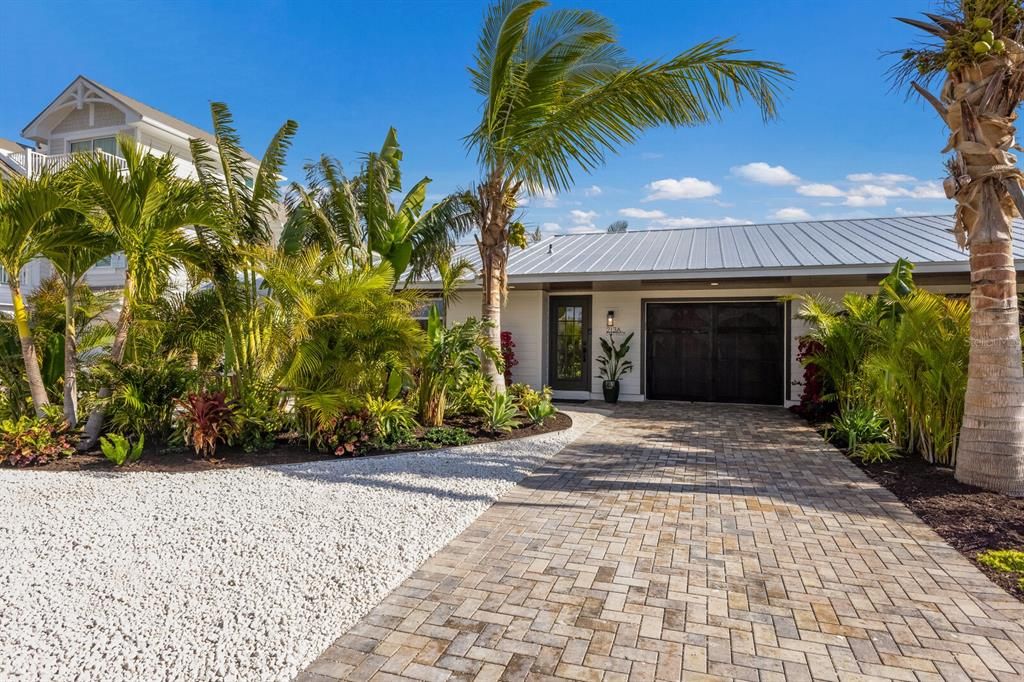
(787, 222)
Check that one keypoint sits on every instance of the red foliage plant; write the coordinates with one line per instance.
(206, 419)
(813, 405)
(508, 355)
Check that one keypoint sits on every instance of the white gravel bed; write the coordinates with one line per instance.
(244, 574)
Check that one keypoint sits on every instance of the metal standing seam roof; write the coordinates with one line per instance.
(820, 247)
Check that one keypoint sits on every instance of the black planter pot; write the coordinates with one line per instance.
(611, 391)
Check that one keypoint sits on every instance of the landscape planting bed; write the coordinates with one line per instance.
(242, 574)
(970, 519)
(182, 460)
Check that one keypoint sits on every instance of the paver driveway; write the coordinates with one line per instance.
(696, 542)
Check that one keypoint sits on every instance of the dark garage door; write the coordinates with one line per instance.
(716, 352)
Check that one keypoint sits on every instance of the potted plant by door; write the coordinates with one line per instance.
(614, 365)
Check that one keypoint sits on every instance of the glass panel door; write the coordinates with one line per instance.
(81, 146)
(569, 356)
(105, 144)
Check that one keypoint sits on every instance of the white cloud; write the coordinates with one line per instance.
(928, 190)
(684, 221)
(553, 228)
(579, 216)
(885, 178)
(791, 213)
(761, 172)
(581, 229)
(583, 221)
(819, 189)
(640, 213)
(544, 199)
(593, 191)
(861, 201)
(682, 188)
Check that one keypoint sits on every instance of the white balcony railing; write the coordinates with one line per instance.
(35, 163)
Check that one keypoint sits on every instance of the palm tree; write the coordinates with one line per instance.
(25, 208)
(247, 197)
(358, 217)
(452, 275)
(559, 94)
(146, 209)
(976, 48)
(80, 246)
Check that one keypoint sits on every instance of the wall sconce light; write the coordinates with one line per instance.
(714, 284)
(611, 319)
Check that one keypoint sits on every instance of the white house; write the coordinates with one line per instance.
(703, 303)
(87, 117)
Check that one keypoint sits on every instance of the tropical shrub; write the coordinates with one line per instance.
(875, 452)
(447, 436)
(899, 355)
(508, 355)
(259, 418)
(858, 426)
(206, 419)
(144, 393)
(526, 397)
(451, 355)
(813, 405)
(119, 450)
(469, 395)
(30, 440)
(501, 412)
(393, 420)
(540, 412)
(346, 434)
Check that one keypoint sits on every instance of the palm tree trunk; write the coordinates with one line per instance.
(36, 387)
(991, 451)
(70, 355)
(493, 243)
(493, 268)
(94, 425)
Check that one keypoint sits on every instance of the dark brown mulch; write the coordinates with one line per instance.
(970, 519)
(181, 460)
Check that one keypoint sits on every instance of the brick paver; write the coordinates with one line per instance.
(691, 542)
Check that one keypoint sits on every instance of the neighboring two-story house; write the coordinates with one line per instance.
(88, 117)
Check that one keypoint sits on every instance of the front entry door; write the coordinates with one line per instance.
(569, 352)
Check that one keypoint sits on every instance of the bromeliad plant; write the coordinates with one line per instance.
(119, 450)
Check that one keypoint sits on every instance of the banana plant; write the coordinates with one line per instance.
(358, 217)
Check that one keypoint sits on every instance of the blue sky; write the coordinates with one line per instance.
(846, 146)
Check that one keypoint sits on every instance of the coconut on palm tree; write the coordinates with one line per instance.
(26, 206)
(146, 208)
(559, 94)
(975, 48)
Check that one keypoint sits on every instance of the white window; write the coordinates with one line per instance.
(422, 313)
(103, 144)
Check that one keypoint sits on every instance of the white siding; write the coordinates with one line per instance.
(523, 315)
(526, 314)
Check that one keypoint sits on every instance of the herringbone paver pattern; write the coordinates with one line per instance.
(691, 542)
